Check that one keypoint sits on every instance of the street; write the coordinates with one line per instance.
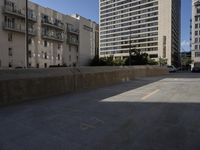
(155, 113)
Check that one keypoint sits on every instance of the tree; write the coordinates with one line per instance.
(119, 62)
(137, 58)
(185, 63)
(152, 62)
(106, 61)
(96, 61)
(162, 61)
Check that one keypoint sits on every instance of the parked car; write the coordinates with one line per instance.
(172, 68)
(19, 67)
(196, 69)
(179, 69)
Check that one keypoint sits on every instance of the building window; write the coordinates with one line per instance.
(29, 54)
(0, 63)
(59, 46)
(45, 43)
(196, 47)
(58, 56)
(69, 57)
(154, 56)
(9, 37)
(38, 65)
(198, 10)
(87, 28)
(10, 65)
(10, 53)
(45, 65)
(197, 54)
(45, 55)
(29, 41)
(164, 46)
(70, 48)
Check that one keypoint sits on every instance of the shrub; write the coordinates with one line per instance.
(106, 61)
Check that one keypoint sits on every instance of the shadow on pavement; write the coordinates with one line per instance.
(84, 121)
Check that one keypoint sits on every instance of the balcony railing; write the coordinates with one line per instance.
(73, 30)
(54, 37)
(18, 28)
(197, 3)
(55, 25)
(18, 13)
(73, 41)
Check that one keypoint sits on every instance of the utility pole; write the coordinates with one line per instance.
(26, 36)
(130, 48)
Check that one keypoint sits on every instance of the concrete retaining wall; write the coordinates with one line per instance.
(21, 85)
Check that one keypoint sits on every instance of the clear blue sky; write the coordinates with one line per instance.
(89, 9)
(185, 23)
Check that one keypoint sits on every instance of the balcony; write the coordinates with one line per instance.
(32, 17)
(197, 3)
(53, 37)
(18, 28)
(72, 30)
(18, 13)
(73, 41)
(55, 25)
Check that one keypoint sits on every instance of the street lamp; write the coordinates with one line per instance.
(26, 36)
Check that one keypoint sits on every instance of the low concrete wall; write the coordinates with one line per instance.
(21, 85)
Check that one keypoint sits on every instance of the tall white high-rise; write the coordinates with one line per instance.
(152, 26)
(195, 47)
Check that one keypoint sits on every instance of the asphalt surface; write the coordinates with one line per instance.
(158, 113)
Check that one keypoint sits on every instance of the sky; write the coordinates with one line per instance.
(89, 9)
(186, 12)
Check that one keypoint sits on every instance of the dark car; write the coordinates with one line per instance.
(19, 67)
(171, 69)
(196, 69)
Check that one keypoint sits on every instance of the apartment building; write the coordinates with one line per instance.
(87, 38)
(151, 26)
(195, 43)
(54, 38)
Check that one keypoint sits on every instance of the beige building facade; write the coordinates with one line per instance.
(151, 26)
(195, 42)
(55, 39)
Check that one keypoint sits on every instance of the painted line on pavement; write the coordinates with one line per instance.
(85, 126)
(150, 94)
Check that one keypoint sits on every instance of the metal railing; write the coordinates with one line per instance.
(73, 41)
(53, 36)
(53, 24)
(17, 28)
(73, 30)
(18, 13)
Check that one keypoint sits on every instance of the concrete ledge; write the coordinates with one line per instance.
(21, 85)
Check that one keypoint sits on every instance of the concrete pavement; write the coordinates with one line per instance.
(158, 113)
